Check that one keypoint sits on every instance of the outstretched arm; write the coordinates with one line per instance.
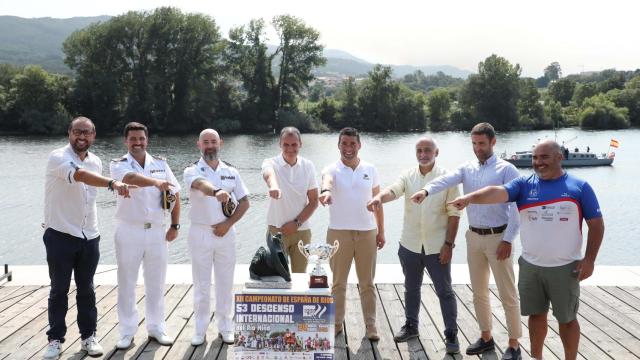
(486, 195)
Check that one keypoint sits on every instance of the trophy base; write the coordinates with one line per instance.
(318, 281)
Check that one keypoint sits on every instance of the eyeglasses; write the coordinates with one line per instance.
(78, 132)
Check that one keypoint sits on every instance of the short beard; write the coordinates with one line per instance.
(78, 149)
(212, 156)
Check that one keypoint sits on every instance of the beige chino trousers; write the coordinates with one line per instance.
(482, 260)
(290, 244)
(361, 247)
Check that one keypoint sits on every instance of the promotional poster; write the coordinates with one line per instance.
(284, 327)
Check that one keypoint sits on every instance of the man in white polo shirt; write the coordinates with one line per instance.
(212, 183)
(71, 237)
(293, 192)
(347, 186)
(140, 236)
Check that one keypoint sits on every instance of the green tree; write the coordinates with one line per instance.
(327, 112)
(439, 105)
(409, 110)
(628, 98)
(376, 100)
(598, 112)
(36, 102)
(158, 67)
(584, 91)
(299, 51)
(349, 113)
(553, 72)
(562, 90)
(530, 109)
(492, 94)
(247, 58)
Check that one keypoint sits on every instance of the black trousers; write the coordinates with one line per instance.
(68, 254)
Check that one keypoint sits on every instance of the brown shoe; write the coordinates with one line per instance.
(372, 333)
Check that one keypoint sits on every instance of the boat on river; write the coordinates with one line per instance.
(574, 158)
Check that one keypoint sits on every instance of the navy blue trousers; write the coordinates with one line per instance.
(413, 265)
(68, 254)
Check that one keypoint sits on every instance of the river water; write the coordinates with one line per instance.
(23, 161)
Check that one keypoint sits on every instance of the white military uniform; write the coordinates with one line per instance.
(208, 249)
(140, 238)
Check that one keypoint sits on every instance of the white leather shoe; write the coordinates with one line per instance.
(227, 337)
(124, 342)
(91, 346)
(52, 351)
(197, 340)
(161, 338)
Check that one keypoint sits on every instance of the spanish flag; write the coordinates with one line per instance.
(614, 143)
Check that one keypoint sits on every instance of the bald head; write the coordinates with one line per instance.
(549, 145)
(209, 144)
(547, 160)
(208, 132)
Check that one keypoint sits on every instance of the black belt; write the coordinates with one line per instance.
(489, 231)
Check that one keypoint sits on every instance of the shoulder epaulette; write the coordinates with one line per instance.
(159, 157)
(228, 164)
(195, 163)
(123, 158)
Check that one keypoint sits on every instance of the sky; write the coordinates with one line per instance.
(580, 35)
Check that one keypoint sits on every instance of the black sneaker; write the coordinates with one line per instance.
(512, 354)
(481, 346)
(451, 342)
(408, 331)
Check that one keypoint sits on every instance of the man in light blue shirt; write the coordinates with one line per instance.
(492, 229)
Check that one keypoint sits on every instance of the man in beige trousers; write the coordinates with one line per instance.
(347, 186)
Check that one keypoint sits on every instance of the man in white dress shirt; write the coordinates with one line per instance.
(71, 237)
(492, 229)
(212, 183)
(141, 237)
(293, 192)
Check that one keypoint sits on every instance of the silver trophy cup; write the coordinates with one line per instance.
(318, 253)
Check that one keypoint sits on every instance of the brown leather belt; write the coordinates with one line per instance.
(489, 231)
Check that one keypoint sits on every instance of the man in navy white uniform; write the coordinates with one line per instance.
(211, 183)
(71, 237)
(141, 237)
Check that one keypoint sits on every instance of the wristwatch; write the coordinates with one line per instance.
(175, 226)
(216, 191)
(450, 244)
(298, 223)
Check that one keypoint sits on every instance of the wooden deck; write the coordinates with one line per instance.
(609, 317)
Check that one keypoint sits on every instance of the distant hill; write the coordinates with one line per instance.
(39, 41)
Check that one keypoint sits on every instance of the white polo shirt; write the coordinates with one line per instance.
(145, 203)
(350, 193)
(294, 181)
(207, 210)
(70, 206)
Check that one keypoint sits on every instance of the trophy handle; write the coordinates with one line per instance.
(301, 248)
(334, 250)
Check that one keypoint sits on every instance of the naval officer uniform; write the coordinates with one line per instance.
(140, 239)
(209, 250)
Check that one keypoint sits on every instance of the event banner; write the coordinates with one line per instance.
(284, 327)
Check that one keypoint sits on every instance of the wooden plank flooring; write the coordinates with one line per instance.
(609, 318)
